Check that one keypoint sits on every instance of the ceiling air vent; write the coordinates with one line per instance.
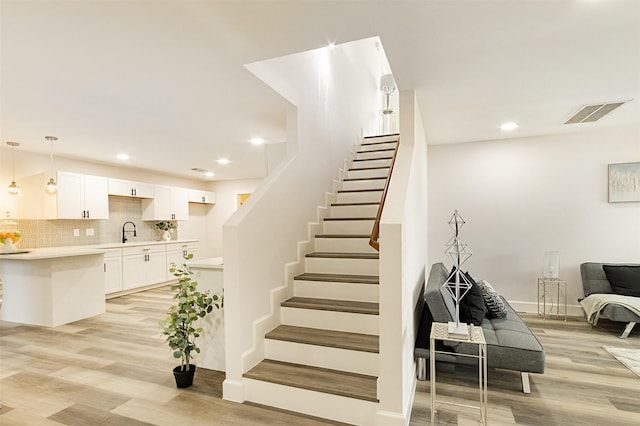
(591, 113)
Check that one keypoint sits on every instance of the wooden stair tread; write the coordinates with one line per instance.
(364, 203)
(363, 179)
(330, 219)
(344, 191)
(372, 159)
(369, 168)
(367, 308)
(367, 236)
(328, 338)
(340, 255)
(339, 278)
(350, 385)
(377, 150)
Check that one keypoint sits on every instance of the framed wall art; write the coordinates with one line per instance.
(624, 182)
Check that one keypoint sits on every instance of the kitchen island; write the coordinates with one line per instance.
(53, 286)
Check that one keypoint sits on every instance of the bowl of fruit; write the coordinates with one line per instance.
(9, 236)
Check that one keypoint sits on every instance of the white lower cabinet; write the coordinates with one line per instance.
(176, 253)
(143, 265)
(112, 271)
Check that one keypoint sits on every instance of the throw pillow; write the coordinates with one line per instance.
(624, 279)
(492, 300)
(472, 309)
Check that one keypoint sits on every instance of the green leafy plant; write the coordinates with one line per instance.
(166, 225)
(191, 305)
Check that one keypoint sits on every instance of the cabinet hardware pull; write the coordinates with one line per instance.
(105, 267)
(87, 214)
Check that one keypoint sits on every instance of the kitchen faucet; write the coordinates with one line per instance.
(124, 238)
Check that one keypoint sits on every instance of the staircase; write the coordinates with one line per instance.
(323, 358)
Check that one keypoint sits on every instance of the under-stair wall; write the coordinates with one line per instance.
(403, 257)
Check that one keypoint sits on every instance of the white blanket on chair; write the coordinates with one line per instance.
(594, 303)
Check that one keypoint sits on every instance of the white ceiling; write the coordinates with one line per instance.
(164, 80)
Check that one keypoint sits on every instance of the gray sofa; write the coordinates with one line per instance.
(510, 343)
(594, 280)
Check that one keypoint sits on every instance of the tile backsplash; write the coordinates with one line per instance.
(60, 233)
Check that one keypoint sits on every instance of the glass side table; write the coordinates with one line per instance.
(552, 296)
(439, 331)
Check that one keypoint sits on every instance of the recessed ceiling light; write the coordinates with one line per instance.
(123, 157)
(508, 126)
(223, 161)
(332, 45)
(257, 141)
(209, 174)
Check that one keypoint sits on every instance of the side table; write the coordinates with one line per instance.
(439, 331)
(547, 288)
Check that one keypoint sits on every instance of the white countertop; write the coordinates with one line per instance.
(211, 263)
(139, 243)
(51, 253)
(56, 252)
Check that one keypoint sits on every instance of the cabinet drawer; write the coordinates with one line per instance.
(156, 248)
(112, 253)
(181, 246)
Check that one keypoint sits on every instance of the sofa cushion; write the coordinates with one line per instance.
(624, 279)
(510, 344)
(472, 309)
(492, 301)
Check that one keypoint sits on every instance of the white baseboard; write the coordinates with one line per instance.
(532, 308)
(233, 390)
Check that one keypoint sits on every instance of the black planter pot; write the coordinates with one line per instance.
(184, 379)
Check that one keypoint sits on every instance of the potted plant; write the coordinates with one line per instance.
(166, 226)
(179, 326)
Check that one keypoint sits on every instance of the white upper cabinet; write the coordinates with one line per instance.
(78, 197)
(168, 203)
(129, 188)
(203, 197)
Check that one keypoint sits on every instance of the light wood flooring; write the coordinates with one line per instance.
(115, 369)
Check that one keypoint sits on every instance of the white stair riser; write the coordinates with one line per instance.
(338, 291)
(348, 226)
(367, 155)
(330, 320)
(371, 163)
(343, 245)
(364, 173)
(342, 266)
(333, 407)
(323, 357)
(377, 146)
(367, 210)
(364, 184)
(359, 197)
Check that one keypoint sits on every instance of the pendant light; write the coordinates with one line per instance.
(13, 189)
(52, 186)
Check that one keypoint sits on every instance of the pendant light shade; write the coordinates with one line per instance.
(52, 186)
(13, 189)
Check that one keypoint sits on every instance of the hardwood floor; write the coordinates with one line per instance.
(115, 369)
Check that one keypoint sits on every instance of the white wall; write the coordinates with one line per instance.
(226, 204)
(522, 197)
(336, 94)
(403, 256)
